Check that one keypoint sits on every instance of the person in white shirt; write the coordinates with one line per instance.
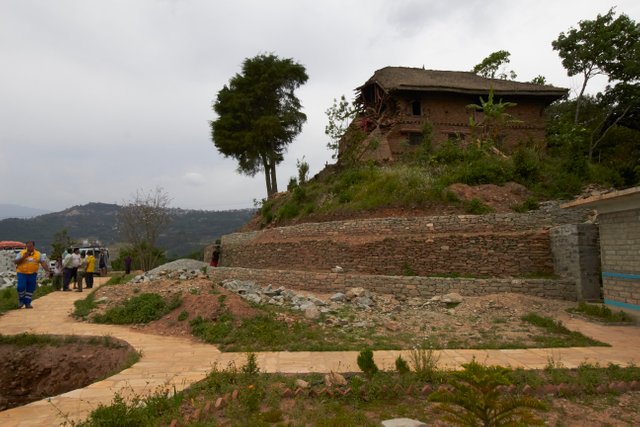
(75, 263)
(67, 270)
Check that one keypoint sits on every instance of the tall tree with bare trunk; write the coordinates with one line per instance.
(141, 220)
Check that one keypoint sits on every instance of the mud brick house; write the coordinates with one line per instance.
(619, 223)
(396, 102)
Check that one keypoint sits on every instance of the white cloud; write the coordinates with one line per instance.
(194, 179)
(102, 98)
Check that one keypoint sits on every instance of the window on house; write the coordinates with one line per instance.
(414, 138)
(416, 108)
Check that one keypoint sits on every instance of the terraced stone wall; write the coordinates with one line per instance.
(499, 245)
(426, 287)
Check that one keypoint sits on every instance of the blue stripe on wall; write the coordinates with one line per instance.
(622, 304)
(620, 275)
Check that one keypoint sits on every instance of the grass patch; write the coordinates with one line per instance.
(557, 335)
(142, 308)
(26, 339)
(266, 332)
(382, 395)
(9, 297)
(601, 313)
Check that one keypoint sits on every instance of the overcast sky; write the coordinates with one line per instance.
(101, 98)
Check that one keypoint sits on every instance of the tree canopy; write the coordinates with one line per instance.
(141, 221)
(606, 45)
(490, 66)
(259, 115)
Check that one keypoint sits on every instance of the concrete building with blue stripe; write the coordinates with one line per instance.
(619, 224)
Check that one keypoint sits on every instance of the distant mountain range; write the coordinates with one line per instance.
(188, 231)
(17, 211)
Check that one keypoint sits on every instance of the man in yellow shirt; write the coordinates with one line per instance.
(90, 270)
(28, 262)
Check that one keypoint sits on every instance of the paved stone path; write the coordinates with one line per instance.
(179, 362)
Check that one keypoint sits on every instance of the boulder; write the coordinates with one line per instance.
(338, 297)
(334, 379)
(312, 313)
(403, 422)
(452, 298)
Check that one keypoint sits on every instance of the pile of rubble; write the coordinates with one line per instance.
(182, 274)
(374, 309)
(7, 279)
(312, 306)
(181, 269)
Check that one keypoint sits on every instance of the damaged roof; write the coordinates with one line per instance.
(418, 79)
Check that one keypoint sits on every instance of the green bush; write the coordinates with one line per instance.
(288, 211)
(143, 308)
(478, 397)
(366, 363)
(484, 170)
(476, 207)
(402, 366)
(212, 332)
(526, 165)
(600, 312)
(531, 204)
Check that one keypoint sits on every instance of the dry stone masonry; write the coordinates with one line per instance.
(497, 245)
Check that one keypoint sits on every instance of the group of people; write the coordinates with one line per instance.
(77, 267)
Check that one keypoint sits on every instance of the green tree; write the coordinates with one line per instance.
(157, 254)
(493, 120)
(491, 64)
(61, 241)
(539, 80)
(478, 397)
(606, 45)
(259, 115)
(620, 106)
(340, 115)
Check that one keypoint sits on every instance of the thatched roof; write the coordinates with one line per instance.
(417, 79)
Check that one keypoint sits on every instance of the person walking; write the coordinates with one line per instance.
(215, 256)
(90, 269)
(127, 264)
(28, 261)
(103, 260)
(67, 270)
(81, 271)
(57, 274)
(75, 263)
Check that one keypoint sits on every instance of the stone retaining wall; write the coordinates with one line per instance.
(576, 256)
(413, 286)
(491, 254)
(497, 245)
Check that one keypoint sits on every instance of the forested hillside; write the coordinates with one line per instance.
(188, 231)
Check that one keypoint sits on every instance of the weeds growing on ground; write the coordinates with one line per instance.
(477, 393)
(9, 297)
(601, 313)
(424, 362)
(139, 309)
(478, 397)
(557, 335)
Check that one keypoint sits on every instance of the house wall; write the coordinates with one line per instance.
(620, 251)
(448, 114)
